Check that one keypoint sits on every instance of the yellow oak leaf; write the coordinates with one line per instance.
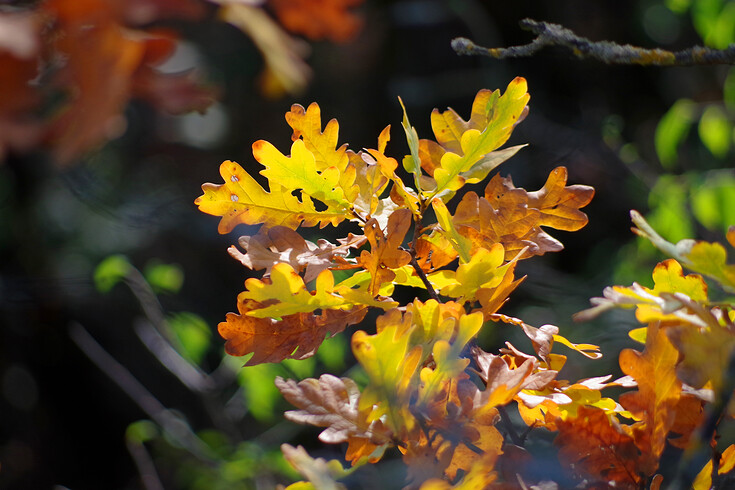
(306, 125)
(390, 363)
(285, 293)
(299, 171)
(485, 269)
(242, 200)
(467, 146)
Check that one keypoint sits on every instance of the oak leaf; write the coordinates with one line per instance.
(385, 249)
(658, 394)
(242, 200)
(667, 302)
(597, 449)
(391, 364)
(332, 402)
(465, 147)
(285, 293)
(296, 336)
(282, 244)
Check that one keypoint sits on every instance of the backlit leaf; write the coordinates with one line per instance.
(467, 143)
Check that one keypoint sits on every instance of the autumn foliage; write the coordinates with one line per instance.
(432, 392)
(68, 68)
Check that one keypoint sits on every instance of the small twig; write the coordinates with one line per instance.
(146, 467)
(174, 426)
(608, 52)
(422, 275)
(190, 375)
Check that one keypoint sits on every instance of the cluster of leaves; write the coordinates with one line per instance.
(430, 390)
(69, 67)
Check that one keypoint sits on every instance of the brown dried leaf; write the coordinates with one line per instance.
(331, 402)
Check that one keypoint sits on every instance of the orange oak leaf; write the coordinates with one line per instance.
(319, 19)
(296, 336)
(594, 446)
(659, 391)
(385, 248)
(332, 402)
(559, 204)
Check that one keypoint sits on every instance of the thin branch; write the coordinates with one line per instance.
(608, 52)
(422, 275)
(174, 426)
(146, 467)
(188, 373)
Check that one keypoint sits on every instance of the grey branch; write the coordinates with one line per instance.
(608, 52)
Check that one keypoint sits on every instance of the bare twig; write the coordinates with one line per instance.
(174, 426)
(608, 52)
(189, 374)
(146, 467)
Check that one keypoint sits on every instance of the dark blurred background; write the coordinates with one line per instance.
(65, 424)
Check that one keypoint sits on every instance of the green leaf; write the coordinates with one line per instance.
(332, 353)
(259, 389)
(164, 278)
(141, 431)
(715, 131)
(302, 368)
(111, 271)
(672, 129)
(193, 333)
(713, 201)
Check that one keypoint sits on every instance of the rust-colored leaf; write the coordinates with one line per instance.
(595, 448)
(295, 336)
(385, 249)
(319, 19)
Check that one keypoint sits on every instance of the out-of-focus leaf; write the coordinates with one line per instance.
(322, 474)
(713, 201)
(111, 271)
(332, 353)
(659, 391)
(193, 333)
(261, 394)
(715, 131)
(319, 19)
(672, 129)
(162, 277)
(141, 431)
(285, 70)
(703, 481)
